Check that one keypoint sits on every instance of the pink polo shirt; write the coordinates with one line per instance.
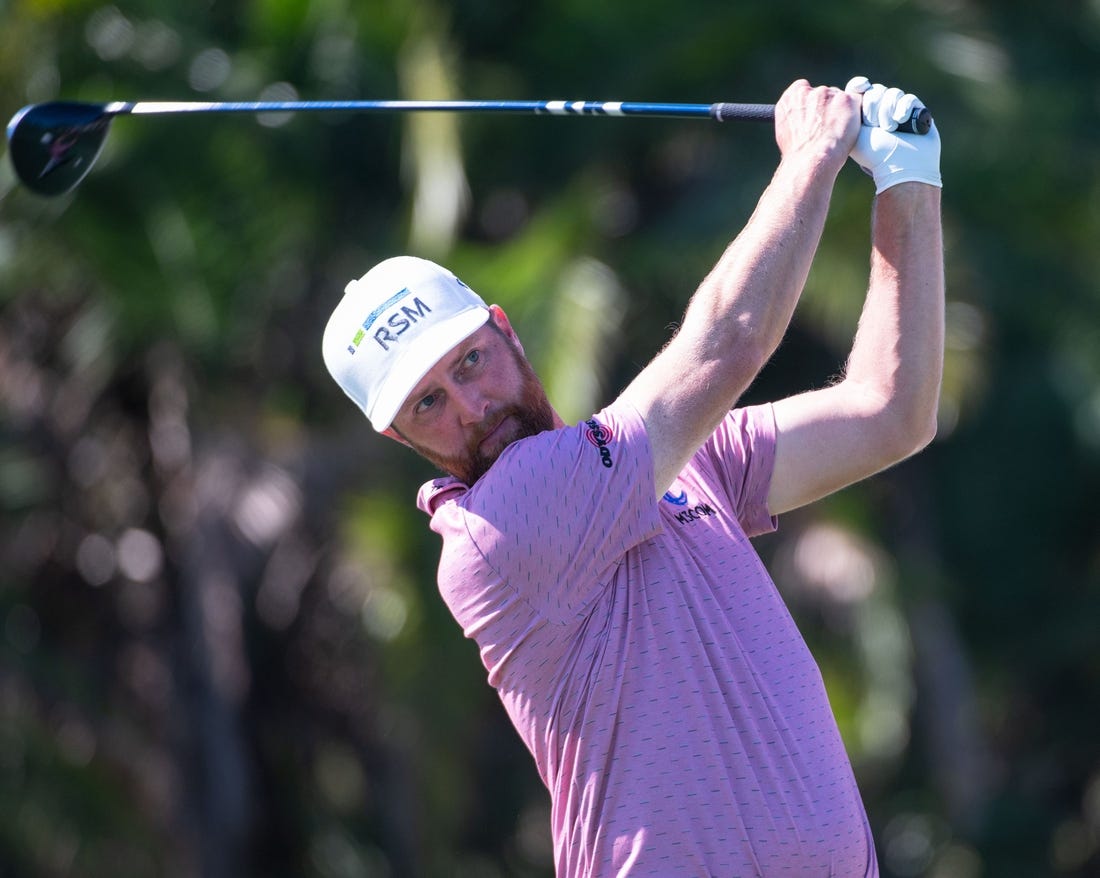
(645, 657)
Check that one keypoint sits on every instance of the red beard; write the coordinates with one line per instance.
(531, 414)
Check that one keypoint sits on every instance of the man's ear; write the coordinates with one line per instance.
(497, 315)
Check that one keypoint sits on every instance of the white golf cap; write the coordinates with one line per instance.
(392, 326)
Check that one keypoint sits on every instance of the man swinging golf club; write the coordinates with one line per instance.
(604, 568)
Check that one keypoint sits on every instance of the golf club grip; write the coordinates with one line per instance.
(919, 121)
(742, 112)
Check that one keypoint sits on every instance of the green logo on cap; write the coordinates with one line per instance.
(373, 316)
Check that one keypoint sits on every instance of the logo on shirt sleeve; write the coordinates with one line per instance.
(600, 436)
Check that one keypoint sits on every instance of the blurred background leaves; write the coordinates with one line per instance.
(221, 648)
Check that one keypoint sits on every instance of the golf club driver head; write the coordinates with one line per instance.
(54, 145)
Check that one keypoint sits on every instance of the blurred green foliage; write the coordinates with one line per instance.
(221, 648)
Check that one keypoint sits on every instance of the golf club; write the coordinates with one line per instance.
(54, 145)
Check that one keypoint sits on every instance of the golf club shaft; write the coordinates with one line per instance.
(719, 111)
(723, 112)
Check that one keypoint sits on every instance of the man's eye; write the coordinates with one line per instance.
(473, 358)
(426, 403)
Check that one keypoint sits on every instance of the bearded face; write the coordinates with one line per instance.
(515, 407)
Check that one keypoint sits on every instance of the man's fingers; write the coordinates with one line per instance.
(882, 107)
(871, 99)
(857, 85)
(905, 106)
(886, 105)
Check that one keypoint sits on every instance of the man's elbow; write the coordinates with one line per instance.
(912, 427)
(926, 431)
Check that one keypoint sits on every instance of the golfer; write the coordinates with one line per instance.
(604, 568)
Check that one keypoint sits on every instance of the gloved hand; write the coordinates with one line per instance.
(888, 157)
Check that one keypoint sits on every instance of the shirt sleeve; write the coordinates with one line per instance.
(557, 512)
(741, 453)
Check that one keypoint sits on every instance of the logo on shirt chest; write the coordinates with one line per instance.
(689, 512)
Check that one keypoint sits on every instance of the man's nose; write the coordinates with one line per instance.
(471, 405)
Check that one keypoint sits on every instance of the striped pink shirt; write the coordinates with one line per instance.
(646, 658)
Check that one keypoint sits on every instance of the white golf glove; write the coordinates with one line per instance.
(892, 158)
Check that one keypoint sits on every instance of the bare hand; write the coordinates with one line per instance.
(822, 122)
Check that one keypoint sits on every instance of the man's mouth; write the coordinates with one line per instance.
(495, 435)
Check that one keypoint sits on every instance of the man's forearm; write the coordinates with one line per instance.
(745, 303)
(734, 321)
(739, 313)
(898, 349)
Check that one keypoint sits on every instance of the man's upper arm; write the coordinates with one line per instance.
(830, 438)
(681, 406)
